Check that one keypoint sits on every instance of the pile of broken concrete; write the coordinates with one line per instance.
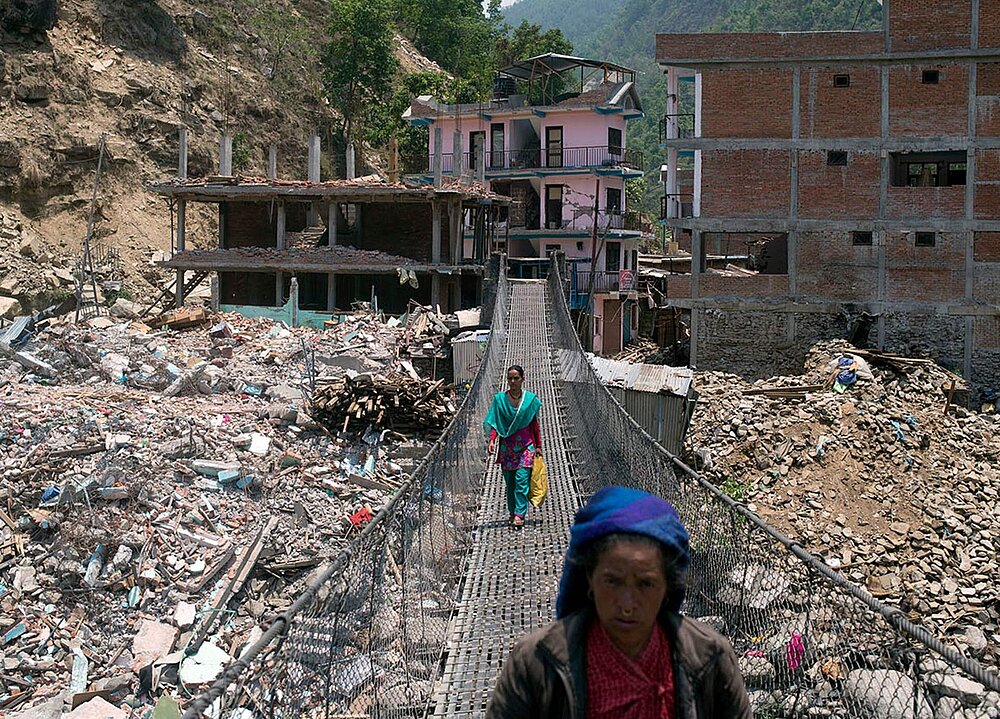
(873, 464)
(166, 493)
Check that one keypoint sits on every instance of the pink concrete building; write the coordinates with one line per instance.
(554, 139)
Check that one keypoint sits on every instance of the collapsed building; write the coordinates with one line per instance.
(323, 245)
(850, 181)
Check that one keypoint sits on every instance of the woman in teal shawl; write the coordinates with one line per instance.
(515, 440)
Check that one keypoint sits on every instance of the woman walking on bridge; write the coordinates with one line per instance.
(515, 439)
(620, 649)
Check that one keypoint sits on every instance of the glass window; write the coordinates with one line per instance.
(614, 141)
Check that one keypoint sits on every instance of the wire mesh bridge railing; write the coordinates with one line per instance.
(392, 627)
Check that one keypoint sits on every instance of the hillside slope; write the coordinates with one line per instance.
(136, 70)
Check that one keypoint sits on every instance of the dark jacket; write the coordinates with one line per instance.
(545, 676)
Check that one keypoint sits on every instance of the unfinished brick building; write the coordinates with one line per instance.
(846, 174)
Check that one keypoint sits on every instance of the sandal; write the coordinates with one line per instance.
(518, 521)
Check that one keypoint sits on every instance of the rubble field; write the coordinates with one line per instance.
(165, 493)
(872, 463)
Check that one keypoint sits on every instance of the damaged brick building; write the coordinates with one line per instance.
(342, 240)
(854, 177)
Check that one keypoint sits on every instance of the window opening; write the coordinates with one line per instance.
(928, 169)
(862, 238)
(930, 77)
(613, 203)
(613, 257)
(841, 80)
(614, 141)
(925, 239)
(836, 158)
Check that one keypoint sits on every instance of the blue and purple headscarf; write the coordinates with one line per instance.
(619, 510)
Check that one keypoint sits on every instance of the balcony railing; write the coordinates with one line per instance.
(606, 281)
(673, 127)
(498, 160)
(677, 205)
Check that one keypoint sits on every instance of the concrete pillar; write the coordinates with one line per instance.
(332, 215)
(182, 159)
(180, 246)
(481, 159)
(314, 150)
(435, 252)
(438, 156)
(350, 159)
(693, 347)
(455, 231)
(435, 232)
(457, 161)
(331, 291)
(293, 298)
(272, 162)
(216, 291)
(225, 155)
(279, 282)
(279, 240)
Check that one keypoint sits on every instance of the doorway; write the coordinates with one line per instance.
(612, 329)
(553, 207)
(553, 147)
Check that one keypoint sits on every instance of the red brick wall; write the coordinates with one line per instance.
(745, 183)
(746, 103)
(918, 203)
(989, 23)
(988, 100)
(925, 273)
(679, 287)
(986, 283)
(988, 167)
(838, 192)
(930, 24)
(757, 286)
(919, 109)
(723, 46)
(255, 224)
(404, 230)
(987, 201)
(987, 247)
(831, 267)
(828, 111)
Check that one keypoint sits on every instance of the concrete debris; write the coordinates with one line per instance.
(876, 467)
(132, 514)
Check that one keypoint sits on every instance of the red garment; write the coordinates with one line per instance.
(536, 434)
(619, 687)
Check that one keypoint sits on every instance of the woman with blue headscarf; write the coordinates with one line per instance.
(619, 648)
(515, 439)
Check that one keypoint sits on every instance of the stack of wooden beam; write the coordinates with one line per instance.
(386, 401)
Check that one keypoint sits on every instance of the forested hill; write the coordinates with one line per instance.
(625, 26)
(624, 31)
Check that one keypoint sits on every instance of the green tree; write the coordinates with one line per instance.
(359, 63)
(283, 35)
(528, 40)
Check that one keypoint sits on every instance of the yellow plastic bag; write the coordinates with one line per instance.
(539, 483)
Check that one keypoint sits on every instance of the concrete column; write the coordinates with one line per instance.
(696, 202)
(435, 251)
(181, 243)
(272, 162)
(216, 291)
(693, 348)
(457, 161)
(293, 296)
(279, 240)
(481, 159)
(971, 173)
(671, 188)
(435, 232)
(350, 159)
(314, 150)
(182, 159)
(278, 287)
(226, 156)
(332, 216)
(455, 231)
(331, 291)
(883, 197)
(697, 261)
(438, 156)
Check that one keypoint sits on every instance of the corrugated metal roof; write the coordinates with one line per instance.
(643, 377)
